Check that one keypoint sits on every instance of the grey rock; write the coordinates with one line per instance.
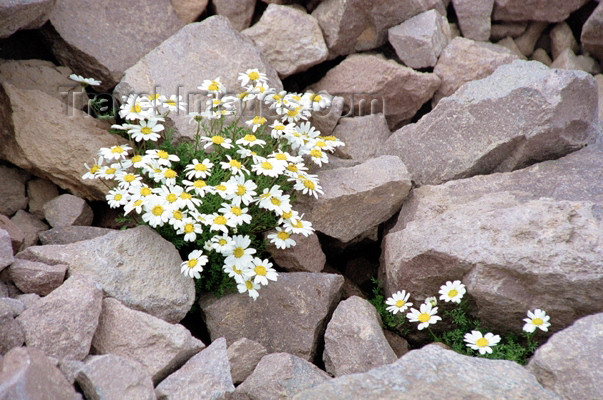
(238, 12)
(502, 30)
(305, 256)
(599, 79)
(568, 60)
(11, 333)
(562, 38)
(189, 10)
(6, 250)
(70, 368)
(23, 14)
(16, 234)
(15, 306)
(542, 56)
(398, 344)
(31, 227)
(28, 299)
(527, 40)
(510, 44)
(243, 356)
(362, 136)
(39, 192)
(68, 210)
(591, 36)
(536, 10)
(71, 234)
(12, 190)
(474, 18)
(36, 277)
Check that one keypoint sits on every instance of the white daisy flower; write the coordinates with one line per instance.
(157, 212)
(174, 103)
(197, 169)
(147, 130)
(194, 265)
(425, 316)
(235, 214)
(250, 287)
(537, 319)
(190, 229)
(269, 167)
(240, 190)
(135, 108)
(252, 76)
(233, 165)
(216, 140)
(482, 343)
(241, 254)
(163, 157)
(256, 122)
(94, 169)
(217, 222)
(263, 271)
(452, 291)
(198, 186)
(250, 140)
(84, 81)
(308, 184)
(115, 152)
(126, 179)
(281, 238)
(222, 243)
(398, 302)
(117, 198)
(298, 226)
(431, 300)
(213, 86)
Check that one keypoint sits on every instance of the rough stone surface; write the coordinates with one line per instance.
(238, 12)
(12, 190)
(542, 56)
(562, 38)
(336, 213)
(362, 136)
(465, 60)
(23, 14)
(6, 250)
(502, 30)
(289, 315)
(398, 344)
(31, 227)
(354, 340)
(418, 41)
(434, 373)
(535, 10)
(189, 10)
(36, 277)
(243, 356)
(11, 333)
(358, 25)
(281, 376)
(15, 306)
(72, 234)
(159, 346)
(205, 376)
(204, 50)
(40, 191)
(144, 276)
(572, 374)
(68, 210)
(305, 256)
(386, 86)
(62, 324)
(527, 40)
(26, 373)
(325, 121)
(510, 44)
(16, 234)
(592, 33)
(70, 139)
(135, 27)
(28, 299)
(532, 113)
(288, 50)
(568, 60)
(599, 79)
(113, 377)
(474, 18)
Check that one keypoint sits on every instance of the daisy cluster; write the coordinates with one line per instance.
(453, 292)
(235, 177)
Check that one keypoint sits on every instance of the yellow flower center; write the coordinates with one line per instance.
(537, 321)
(171, 103)
(137, 203)
(213, 86)
(157, 211)
(220, 220)
(199, 183)
(221, 188)
(279, 128)
(192, 263)
(287, 215)
(163, 154)
(129, 177)
(94, 169)
(292, 168)
(316, 97)
(110, 171)
(266, 165)
(253, 75)
(145, 130)
(171, 197)
(400, 303)
(250, 138)
(481, 342)
(238, 252)
(316, 153)
(242, 95)
(217, 139)
(188, 228)
(280, 156)
(275, 201)
(236, 210)
(236, 270)
(137, 158)
(241, 190)
(249, 285)
(170, 173)
(423, 317)
(145, 191)
(235, 163)
(258, 120)
(298, 224)
(117, 150)
(293, 113)
(135, 108)
(152, 97)
(453, 293)
(277, 97)
(186, 196)
(282, 235)
(320, 144)
(117, 197)
(222, 242)
(200, 167)
(177, 215)
(309, 184)
(260, 270)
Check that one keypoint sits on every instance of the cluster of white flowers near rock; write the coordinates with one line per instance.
(473, 154)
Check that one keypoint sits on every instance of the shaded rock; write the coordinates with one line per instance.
(16, 234)
(238, 12)
(502, 30)
(568, 60)
(336, 213)
(36, 277)
(387, 87)
(159, 346)
(69, 139)
(72, 234)
(527, 40)
(572, 374)
(510, 44)
(325, 121)
(434, 373)
(354, 340)
(542, 56)
(205, 376)
(599, 79)
(592, 36)
(289, 315)
(532, 113)
(26, 373)
(418, 41)
(243, 356)
(464, 60)
(398, 344)
(12, 190)
(562, 38)
(115, 377)
(83, 46)
(305, 256)
(23, 14)
(189, 10)
(31, 227)
(535, 10)
(196, 47)
(362, 136)
(143, 276)
(39, 192)
(11, 333)
(474, 18)
(15, 306)
(281, 376)
(6, 250)
(70, 368)
(62, 324)
(68, 210)
(288, 50)
(357, 25)
(28, 299)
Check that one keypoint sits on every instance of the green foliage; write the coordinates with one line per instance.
(395, 323)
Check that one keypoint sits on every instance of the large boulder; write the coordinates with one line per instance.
(23, 14)
(592, 33)
(535, 10)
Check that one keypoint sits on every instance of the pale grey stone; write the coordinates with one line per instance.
(23, 14)
(31, 227)
(39, 192)
(474, 18)
(362, 136)
(36, 277)
(238, 12)
(535, 10)
(243, 356)
(68, 210)
(592, 36)
(562, 38)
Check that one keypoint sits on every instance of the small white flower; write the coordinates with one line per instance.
(483, 344)
(84, 81)
(537, 319)
(398, 302)
(194, 265)
(197, 169)
(426, 316)
(263, 271)
(452, 291)
(432, 301)
(281, 239)
(115, 152)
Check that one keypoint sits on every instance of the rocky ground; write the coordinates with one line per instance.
(473, 152)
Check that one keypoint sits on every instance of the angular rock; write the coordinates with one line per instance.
(281, 376)
(113, 377)
(562, 38)
(26, 373)
(238, 12)
(379, 184)
(305, 256)
(12, 190)
(68, 210)
(572, 374)
(398, 344)
(474, 18)
(362, 136)
(434, 373)
(136, 266)
(289, 315)
(70, 368)
(6, 250)
(354, 340)
(205, 376)
(542, 56)
(592, 36)
(62, 324)
(599, 79)
(36, 277)
(159, 346)
(325, 120)
(510, 44)
(83, 46)
(512, 29)
(535, 10)
(28, 299)
(23, 14)
(568, 60)
(527, 40)
(288, 50)
(15, 306)
(386, 86)
(189, 10)
(72, 234)
(69, 139)
(31, 227)
(39, 192)
(204, 50)
(419, 40)
(243, 356)
(358, 25)
(11, 333)
(464, 60)
(16, 234)
(532, 113)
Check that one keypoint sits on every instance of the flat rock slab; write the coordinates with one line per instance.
(305, 256)
(288, 316)
(36, 277)
(535, 10)
(6, 250)
(362, 136)
(136, 266)
(521, 114)
(72, 234)
(434, 373)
